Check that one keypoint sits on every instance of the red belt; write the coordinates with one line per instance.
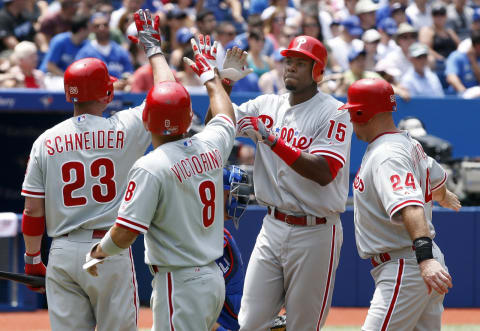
(96, 234)
(384, 257)
(295, 220)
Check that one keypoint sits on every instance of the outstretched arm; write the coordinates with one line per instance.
(446, 198)
(150, 37)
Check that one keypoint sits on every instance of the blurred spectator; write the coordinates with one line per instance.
(357, 71)
(440, 39)
(420, 12)
(65, 46)
(116, 58)
(311, 26)
(459, 18)
(342, 45)
(225, 34)
(128, 6)
(225, 10)
(335, 29)
(387, 29)
(347, 10)
(365, 10)
(142, 79)
(406, 35)
(35, 9)
(247, 84)
(258, 6)
(392, 75)
(419, 79)
(176, 19)
(260, 63)
(61, 21)
(274, 25)
(15, 26)
(187, 6)
(466, 44)
(385, 10)
(459, 69)
(292, 15)
(371, 39)
(188, 78)
(183, 40)
(398, 13)
(272, 82)
(289, 33)
(254, 22)
(206, 22)
(24, 72)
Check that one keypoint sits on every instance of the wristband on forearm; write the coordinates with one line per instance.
(423, 248)
(285, 152)
(33, 226)
(108, 245)
(34, 258)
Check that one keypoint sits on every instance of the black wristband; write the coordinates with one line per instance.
(423, 248)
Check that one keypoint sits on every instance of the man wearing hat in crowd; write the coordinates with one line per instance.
(420, 13)
(347, 40)
(11, 17)
(387, 29)
(371, 39)
(398, 13)
(182, 36)
(405, 36)
(365, 10)
(419, 79)
(386, 11)
(357, 71)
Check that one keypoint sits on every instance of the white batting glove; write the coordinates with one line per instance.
(235, 65)
(204, 64)
(90, 264)
(208, 51)
(254, 128)
(148, 34)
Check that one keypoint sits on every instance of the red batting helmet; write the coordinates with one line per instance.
(88, 80)
(168, 109)
(367, 97)
(312, 48)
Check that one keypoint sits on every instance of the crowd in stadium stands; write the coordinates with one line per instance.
(422, 47)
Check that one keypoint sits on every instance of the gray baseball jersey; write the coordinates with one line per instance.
(80, 165)
(395, 172)
(175, 197)
(315, 126)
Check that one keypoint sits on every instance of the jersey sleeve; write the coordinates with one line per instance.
(33, 184)
(396, 185)
(219, 133)
(438, 175)
(139, 202)
(333, 138)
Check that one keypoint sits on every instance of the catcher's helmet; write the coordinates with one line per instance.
(235, 180)
(367, 97)
(88, 80)
(312, 48)
(168, 109)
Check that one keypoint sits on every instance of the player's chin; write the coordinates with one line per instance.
(290, 86)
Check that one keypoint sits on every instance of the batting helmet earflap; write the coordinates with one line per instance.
(368, 97)
(312, 48)
(88, 80)
(168, 109)
(236, 181)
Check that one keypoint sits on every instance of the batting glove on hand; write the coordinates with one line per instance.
(205, 59)
(235, 65)
(91, 262)
(35, 267)
(254, 128)
(148, 35)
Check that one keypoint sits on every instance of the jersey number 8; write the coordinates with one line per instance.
(78, 168)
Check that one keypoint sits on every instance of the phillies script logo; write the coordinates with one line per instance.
(289, 135)
(358, 183)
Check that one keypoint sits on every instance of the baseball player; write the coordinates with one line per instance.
(394, 191)
(74, 184)
(237, 196)
(301, 173)
(175, 197)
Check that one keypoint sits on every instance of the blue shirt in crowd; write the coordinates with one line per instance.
(459, 64)
(427, 85)
(62, 51)
(117, 61)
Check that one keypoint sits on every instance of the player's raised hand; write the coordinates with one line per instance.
(450, 201)
(235, 65)
(254, 128)
(435, 276)
(203, 67)
(208, 50)
(148, 34)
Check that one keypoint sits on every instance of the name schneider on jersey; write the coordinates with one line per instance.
(88, 140)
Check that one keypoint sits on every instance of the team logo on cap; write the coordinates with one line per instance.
(300, 42)
(73, 90)
(167, 123)
(392, 98)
